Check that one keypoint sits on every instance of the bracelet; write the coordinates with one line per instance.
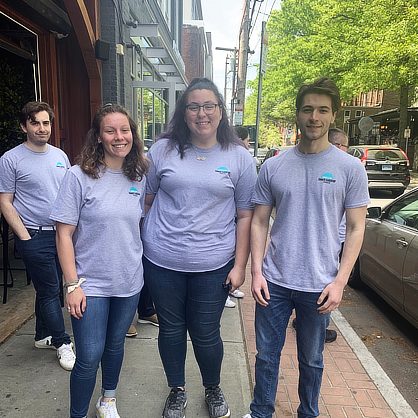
(70, 283)
(71, 286)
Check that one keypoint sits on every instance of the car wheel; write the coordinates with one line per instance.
(354, 280)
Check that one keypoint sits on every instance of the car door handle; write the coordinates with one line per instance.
(401, 241)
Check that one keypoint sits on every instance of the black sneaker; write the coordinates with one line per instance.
(175, 404)
(217, 406)
(330, 335)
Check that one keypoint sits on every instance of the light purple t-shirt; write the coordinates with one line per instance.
(191, 224)
(107, 242)
(34, 178)
(311, 193)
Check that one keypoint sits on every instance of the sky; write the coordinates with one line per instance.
(223, 19)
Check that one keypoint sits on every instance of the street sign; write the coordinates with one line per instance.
(366, 124)
(238, 114)
(407, 133)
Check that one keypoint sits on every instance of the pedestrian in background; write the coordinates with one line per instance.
(201, 178)
(243, 135)
(311, 186)
(30, 176)
(98, 212)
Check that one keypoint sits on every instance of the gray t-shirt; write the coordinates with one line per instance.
(107, 242)
(191, 224)
(311, 193)
(34, 178)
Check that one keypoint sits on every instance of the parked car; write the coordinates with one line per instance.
(261, 155)
(387, 167)
(388, 260)
(276, 151)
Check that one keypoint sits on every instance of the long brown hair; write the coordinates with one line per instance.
(178, 132)
(91, 158)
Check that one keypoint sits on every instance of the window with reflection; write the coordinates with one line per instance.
(405, 211)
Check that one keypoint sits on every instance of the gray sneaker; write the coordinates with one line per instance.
(217, 405)
(175, 404)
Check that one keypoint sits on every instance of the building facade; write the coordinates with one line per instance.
(77, 55)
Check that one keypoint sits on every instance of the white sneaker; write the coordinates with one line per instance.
(66, 356)
(45, 343)
(229, 303)
(247, 416)
(237, 293)
(107, 409)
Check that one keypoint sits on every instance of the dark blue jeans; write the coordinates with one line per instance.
(41, 260)
(146, 304)
(270, 326)
(99, 338)
(191, 302)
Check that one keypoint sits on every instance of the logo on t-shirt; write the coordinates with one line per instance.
(223, 170)
(134, 191)
(60, 165)
(327, 178)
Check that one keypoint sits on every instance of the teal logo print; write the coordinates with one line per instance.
(134, 191)
(327, 178)
(222, 170)
(60, 165)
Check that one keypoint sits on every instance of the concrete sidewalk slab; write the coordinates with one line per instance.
(33, 384)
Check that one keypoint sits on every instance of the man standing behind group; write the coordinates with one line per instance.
(311, 187)
(30, 176)
(339, 138)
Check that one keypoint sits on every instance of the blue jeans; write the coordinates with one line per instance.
(191, 302)
(99, 338)
(41, 261)
(146, 305)
(270, 326)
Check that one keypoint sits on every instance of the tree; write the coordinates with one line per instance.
(362, 45)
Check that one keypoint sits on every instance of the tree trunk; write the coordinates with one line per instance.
(403, 116)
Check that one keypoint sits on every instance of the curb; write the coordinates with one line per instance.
(382, 381)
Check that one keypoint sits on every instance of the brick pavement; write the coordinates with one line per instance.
(347, 389)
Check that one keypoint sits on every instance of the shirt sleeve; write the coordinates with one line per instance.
(67, 206)
(153, 182)
(7, 176)
(358, 189)
(262, 193)
(245, 187)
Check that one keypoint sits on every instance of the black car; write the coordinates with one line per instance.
(387, 167)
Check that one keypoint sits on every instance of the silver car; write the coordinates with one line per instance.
(388, 260)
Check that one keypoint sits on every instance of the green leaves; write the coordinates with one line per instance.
(362, 45)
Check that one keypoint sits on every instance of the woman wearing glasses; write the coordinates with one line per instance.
(201, 178)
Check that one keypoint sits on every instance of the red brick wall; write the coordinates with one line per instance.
(193, 52)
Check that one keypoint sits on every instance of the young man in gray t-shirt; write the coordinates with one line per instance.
(30, 176)
(311, 186)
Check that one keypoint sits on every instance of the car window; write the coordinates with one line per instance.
(356, 152)
(385, 154)
(405, 211)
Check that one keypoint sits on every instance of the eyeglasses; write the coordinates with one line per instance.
(340, 145)
(208, 108)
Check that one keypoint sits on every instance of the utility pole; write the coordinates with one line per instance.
(233, 60)
(261, 72)
(243, 54)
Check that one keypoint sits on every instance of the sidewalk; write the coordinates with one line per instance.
(354, 386)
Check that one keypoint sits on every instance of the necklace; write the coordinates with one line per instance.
(199, 158)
